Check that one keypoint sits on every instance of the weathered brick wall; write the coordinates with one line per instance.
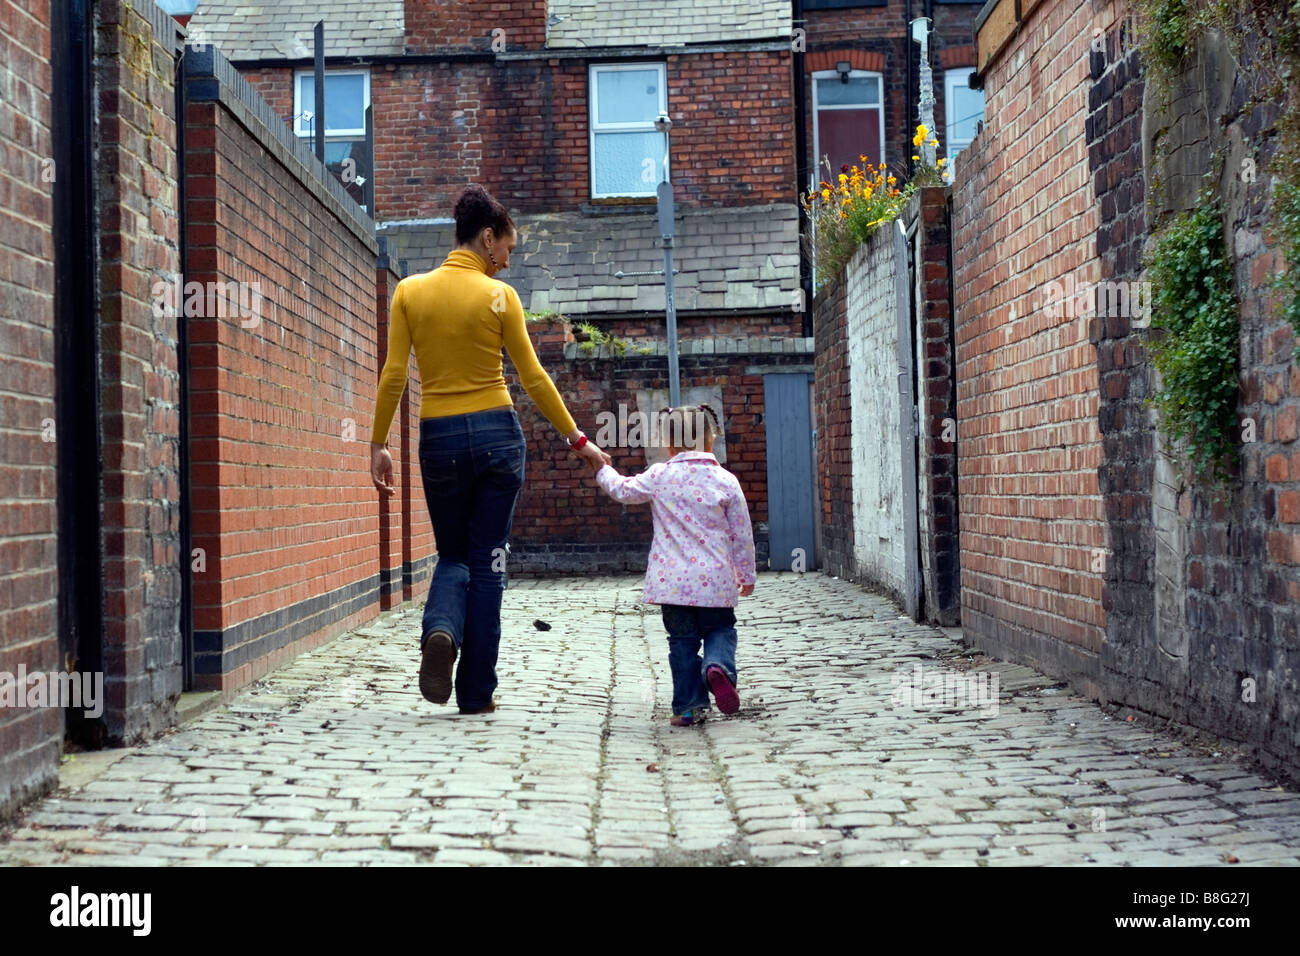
(434, 26)
(1203, 591)
(29, 738)
(876, 415)
(140, 386)
(520, 128)
(283, 505)
(1027, 383)
(936, 403)
(832, 417)
(563, 521)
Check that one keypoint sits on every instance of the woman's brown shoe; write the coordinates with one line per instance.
(480, 710)
(435, 667)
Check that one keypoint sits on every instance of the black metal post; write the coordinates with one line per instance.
(318, 118)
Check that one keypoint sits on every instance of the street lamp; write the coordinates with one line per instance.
(664, 197)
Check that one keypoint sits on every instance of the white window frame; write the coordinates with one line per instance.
(952, 79)
(301, 129)
(880, 109)
(593, 127)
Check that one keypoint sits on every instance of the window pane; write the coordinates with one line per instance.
(627, 96)
(621, 165)
(345, 101)
(844, 135)
(858, 91)
(965, 109)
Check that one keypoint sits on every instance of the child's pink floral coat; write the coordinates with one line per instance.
(703, 549)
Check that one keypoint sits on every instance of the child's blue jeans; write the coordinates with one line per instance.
(688, 628)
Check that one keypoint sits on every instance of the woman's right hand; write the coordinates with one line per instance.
(381, 469)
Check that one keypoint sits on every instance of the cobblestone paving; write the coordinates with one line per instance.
(336, 758)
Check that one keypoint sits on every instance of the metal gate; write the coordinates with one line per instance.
(790, 510)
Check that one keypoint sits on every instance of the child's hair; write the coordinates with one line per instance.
(689, 426)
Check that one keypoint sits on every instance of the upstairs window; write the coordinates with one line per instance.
(850, 120)
(347, 96)
(627, 152)
(963, 111)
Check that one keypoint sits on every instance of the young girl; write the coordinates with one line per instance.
(701, 559)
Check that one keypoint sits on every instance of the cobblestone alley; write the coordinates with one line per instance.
(337, 759)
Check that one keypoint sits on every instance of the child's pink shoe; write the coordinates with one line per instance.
(724, 691)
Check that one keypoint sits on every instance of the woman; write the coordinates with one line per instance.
(458, 317)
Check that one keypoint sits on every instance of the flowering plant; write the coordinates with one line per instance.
(844, 214)
(926, 173)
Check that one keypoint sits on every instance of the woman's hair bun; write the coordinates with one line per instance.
(477, 210)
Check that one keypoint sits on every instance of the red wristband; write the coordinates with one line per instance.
(582, 440)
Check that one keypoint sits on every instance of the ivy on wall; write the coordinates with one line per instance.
(1196, 312)
(1192, 295)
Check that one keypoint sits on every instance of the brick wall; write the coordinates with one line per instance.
(434, 26)
(1027, 383)
(877, 39)
(140, 386)
(520, 127)
(283, 505)
(29, 739)
(563, 522)
(936, 402)
(1202, 589)
(858, 418)
(832, 418)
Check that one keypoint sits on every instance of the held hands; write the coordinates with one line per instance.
(593, 456)
(381, 470)
(746, 590)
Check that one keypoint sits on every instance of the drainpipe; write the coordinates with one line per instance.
(801, 170)
(909, 91)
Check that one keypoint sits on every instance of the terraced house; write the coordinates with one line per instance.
(554, 108)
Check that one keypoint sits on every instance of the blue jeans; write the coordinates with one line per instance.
(472, 467)
(688, 628)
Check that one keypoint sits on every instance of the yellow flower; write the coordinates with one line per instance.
(942, 161)
(843, 179)
(892, 180)
(916, 157)
(826, 193)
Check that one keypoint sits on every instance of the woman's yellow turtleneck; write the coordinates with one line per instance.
(458, 317)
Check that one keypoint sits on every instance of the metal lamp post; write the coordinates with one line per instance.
(664, 196)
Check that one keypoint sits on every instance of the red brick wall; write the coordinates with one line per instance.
(444, 25)
(832, 417)
(563, 521)
(521, 129)
(937, 411)
(140, 386)
(283, 504)
(29, 739)
(1027, 384)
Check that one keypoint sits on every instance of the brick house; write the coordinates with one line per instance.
(861, 69)
(552, 107)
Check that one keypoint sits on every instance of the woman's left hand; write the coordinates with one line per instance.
(594, 456)
(381, 469)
